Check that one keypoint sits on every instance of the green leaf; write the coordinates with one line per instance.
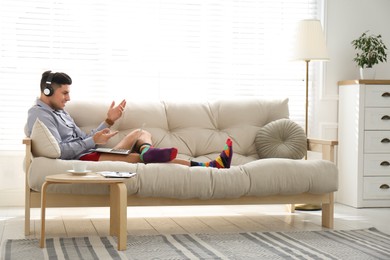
(371, 50)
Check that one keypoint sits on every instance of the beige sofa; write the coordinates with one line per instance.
(199, 131)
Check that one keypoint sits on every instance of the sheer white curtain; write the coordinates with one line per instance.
(149, 50)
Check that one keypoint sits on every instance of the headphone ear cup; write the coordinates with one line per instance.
(48, 91)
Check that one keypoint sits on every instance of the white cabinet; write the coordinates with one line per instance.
(364, 143)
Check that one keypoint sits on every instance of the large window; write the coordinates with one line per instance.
(150, 49)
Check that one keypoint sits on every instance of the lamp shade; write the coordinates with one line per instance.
(310, 41)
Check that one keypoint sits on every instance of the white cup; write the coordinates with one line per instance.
(79, 166)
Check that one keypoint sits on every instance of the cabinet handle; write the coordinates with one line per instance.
(386, 94)
(385, 117)
(385, 163)
(384, 186)
(385, 140)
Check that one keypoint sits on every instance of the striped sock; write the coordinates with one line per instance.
(222, 161)
(151, 154)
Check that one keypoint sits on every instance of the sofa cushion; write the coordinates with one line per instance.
(281, 138)
(274, 176)
(43, 142)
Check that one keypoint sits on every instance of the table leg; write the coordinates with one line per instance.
(43, 213)
(118, 213)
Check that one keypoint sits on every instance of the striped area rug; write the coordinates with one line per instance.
(355, 244)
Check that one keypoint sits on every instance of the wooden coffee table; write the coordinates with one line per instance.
(118, 202)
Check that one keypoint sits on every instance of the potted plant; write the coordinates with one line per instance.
(371, 51)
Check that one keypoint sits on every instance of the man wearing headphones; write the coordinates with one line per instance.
(76, 144)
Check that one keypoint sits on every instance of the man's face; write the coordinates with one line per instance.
(60, 97)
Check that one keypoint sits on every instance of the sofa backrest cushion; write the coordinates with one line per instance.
(43, 142)
(281, 138)
(197, 129)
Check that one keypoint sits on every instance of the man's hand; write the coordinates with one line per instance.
(115, 112)
(103, 136)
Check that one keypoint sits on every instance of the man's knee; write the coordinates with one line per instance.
(146, 134)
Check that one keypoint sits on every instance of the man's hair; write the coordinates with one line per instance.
(59, 78)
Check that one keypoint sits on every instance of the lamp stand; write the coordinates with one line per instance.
(307, 97)
(307, 207)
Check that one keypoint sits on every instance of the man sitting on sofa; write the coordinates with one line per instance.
(76, 144)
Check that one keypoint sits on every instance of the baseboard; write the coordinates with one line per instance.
(11, 198)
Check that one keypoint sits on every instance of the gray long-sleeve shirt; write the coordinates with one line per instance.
(73, 142)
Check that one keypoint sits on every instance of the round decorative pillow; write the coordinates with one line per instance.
(281, 138)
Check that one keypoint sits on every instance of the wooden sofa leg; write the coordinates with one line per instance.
(328, 212)
(27, 222)
(27, 213)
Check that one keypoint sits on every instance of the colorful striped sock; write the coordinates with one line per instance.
(222, 161)
(151, 154)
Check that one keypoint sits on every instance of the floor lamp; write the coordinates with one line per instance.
(310, 46)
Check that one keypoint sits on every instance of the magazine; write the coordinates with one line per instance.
(113, 174)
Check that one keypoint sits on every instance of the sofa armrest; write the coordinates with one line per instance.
(27, 141)
(28, 154)
(326, 147)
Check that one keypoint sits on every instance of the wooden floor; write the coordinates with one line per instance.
(71, 222)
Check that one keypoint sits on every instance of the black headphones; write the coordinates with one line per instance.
(48, 91)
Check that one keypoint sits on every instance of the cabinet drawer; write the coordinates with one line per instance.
(376, 188)
(377, 165)
(377, 118)
(378, 96)
(377, 142)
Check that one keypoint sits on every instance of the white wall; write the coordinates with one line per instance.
(345, 21)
